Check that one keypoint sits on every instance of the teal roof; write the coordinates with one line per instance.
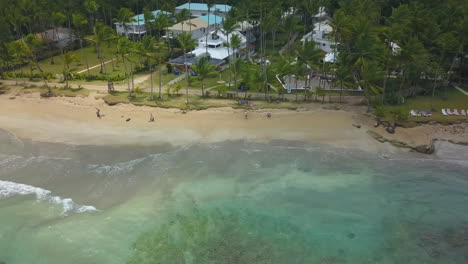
(204, 7)
(140, 19)
(213, 19)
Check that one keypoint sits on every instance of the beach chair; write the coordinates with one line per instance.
(413, 113)
(449, 112)
(455, 112)
(444, 112)
(463, 112)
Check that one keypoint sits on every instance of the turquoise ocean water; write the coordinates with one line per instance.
(229, 202)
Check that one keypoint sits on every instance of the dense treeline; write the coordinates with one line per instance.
(392, 49)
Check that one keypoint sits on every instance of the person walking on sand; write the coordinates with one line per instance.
(245, 114)
(98, 113)
(151, 118)
(269, 115)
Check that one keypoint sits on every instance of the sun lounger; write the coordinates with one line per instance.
(449, 112)
(455, 112)
(463, 112)
(444, 112)
(413, 113)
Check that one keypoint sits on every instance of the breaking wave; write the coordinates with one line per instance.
(9, 189)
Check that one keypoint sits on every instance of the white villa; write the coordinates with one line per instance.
(136, 28)
(198, 26)
(322, 36)
(217, 48)
(198, 10)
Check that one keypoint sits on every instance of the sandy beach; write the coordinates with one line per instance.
(73, 121)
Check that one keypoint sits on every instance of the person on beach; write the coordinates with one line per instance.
(151, 118)
(245, 114)
(269, 115)
(98, 113)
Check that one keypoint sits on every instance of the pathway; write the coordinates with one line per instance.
(461, 90)
(95, 66)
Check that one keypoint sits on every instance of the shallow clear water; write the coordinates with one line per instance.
(230, 202)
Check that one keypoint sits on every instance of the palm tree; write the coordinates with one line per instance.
(235, 44)
(299, 70)
(372, 74)
(187, 43)
(125, 17)
(291, 26)
(80, 22)
(163, 22)
(17, 52)
(229, 25)
(148, 17)
(91, 7)
(160, 57)
(310, 54)
(183, 16)
(152, 49)
(203, 68)
(311, 7)
(343, 76)
(124, 46)
(285, 68)
(101, 34)
(32, 47)
(209, 4)
(68, 58)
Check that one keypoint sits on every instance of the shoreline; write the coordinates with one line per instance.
(72, 120)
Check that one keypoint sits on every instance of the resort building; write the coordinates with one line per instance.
(59, 37)
(217, 50)
(198, 9)
(322, 36)
(198, 26)
(138, 27)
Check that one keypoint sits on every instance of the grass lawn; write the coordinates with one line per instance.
(455, 100)
(174, 101)
(57, 91)
(165, 77)
(87, 52)
(196, 102)
(195, 83)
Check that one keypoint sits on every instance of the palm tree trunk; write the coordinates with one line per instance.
(203, 87)
(235, 81)
(98, 49)
(151, 83)
(341, 91)
(160, 82)
(207, 32)
(450, 71)
(41, 72)
(126, 73)
(186, 76)
(83, 54)
(133, 81)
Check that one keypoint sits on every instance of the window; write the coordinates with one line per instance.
(324, 44)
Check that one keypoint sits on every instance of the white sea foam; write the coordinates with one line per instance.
(18, 162)
(9, 189)
(115, 169)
